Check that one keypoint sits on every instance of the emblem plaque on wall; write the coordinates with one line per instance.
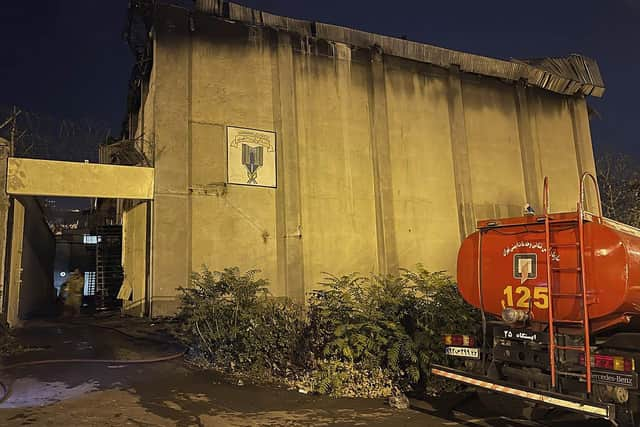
(251, 157)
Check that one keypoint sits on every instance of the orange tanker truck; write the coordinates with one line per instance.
(560, 300)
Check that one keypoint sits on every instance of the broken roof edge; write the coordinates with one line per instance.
(577, 75)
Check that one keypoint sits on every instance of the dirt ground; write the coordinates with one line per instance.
(174, 394)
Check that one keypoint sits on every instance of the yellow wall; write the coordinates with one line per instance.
(553, 124)
(382, 162)
(15, 268)
(424, 196)
(72, 179)
(494, 149)
(134, 256)
(337, 207)
(4, 223)
(31, 262)
(237, 229)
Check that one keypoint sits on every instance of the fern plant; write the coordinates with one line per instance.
(8, 344)
(359, 320)
(394, 323)
(358, 335)
(230, 319)
(437, 308)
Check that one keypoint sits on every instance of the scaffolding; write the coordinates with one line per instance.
(109, 274)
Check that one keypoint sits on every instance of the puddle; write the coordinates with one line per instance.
(26, 392)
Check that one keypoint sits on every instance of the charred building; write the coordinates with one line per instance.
(298, 147)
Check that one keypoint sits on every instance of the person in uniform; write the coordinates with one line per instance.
(73, 290)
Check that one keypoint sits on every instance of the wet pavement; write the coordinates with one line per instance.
(173, 394)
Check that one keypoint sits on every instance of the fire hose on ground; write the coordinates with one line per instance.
(6, 389)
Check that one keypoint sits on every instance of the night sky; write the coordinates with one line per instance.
(66, 58)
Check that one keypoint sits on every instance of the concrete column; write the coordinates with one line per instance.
(288, 215)
(171, 213)
(461, 167)
(529, 151)
(4, 224)
(383, 189)
(584, 148)
(15, 264)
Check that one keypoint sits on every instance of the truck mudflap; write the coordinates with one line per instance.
(592, 409)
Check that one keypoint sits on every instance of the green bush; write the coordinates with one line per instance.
(360, 320)
(230, 319)
(394, 323)
(8, 344)
(436, 308)
(357, 336)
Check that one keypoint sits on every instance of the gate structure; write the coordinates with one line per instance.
(26, 178)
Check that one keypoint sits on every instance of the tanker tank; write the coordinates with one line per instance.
(504, 265)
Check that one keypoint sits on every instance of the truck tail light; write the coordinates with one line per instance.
(612, 363)
(459, 340)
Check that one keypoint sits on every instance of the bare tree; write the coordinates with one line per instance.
(619, 180)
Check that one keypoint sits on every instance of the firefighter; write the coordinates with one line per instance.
(73, 290)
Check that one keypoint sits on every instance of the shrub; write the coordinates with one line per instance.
(231, 320)
(392, 323)
(436, 308)
(359, 336)
(8, 344)
(359, 320)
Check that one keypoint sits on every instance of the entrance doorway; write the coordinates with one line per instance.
(65, 216)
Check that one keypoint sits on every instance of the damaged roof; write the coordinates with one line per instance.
(571, 75)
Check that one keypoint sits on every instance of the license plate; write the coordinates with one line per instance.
(468, 352)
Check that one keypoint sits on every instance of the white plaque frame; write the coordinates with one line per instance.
(251, 157)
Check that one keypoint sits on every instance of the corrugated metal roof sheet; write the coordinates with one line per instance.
(245, 14)
(572, 75)
(576, 67)
(210, 6)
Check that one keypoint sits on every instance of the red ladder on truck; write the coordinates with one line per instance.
(579, 271)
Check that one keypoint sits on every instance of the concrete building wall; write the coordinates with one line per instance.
(171, 236)
(36, 177)
(495, 164)
(4, 227)
(37, 292)
(12, 297)
(237, 228)
(31, 266)
(424, 187)
(134, 257)
(336, 215)
(382, 162)
(557, 148)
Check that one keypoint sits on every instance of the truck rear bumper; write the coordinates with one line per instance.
(599, 410)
